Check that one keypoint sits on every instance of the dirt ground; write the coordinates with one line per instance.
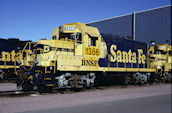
(8, 86)
(46, 101)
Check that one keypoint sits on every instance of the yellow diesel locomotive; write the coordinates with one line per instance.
(77, 55)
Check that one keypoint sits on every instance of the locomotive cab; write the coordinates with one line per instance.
(73, 57)
(79, 33)
(73, 50)
(74, 41)
(161, 59)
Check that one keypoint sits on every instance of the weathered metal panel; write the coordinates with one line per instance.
(118, 26)
(152, 24)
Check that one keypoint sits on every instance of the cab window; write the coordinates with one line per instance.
(157, 52)
(93, 41)
(72, 37)
(54, 37)
(170, 53)
(66, 36)
(79, 36)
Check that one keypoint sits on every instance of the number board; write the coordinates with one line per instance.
(92, 51)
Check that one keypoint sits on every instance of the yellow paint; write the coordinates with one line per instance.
(46, 71)
(78, 49)
(49, 85)
(141, 56)
(126, 57)
(7, 67)
(30, 77)
(92, 51)
(47, 78)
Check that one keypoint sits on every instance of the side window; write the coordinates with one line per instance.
(170, 53)
(79, 36)
(150, 52)
(93, 41)
(157, 52)
(54, 38)
(72, 37)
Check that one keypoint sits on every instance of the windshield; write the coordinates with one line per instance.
(66, 36)
(70, 36)
(157, 52)
(160, 52)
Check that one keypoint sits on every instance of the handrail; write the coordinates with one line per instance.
(26, 46)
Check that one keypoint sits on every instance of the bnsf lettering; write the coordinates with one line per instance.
(126, 57)
(89, 62)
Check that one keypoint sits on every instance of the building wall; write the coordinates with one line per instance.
(154, 24)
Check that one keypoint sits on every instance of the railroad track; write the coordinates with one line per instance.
(17, 93)
(8, 81)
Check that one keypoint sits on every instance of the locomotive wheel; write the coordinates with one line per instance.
(75, 82)
(126, 79)
(25, 84)
(44, 89)
(23, 80)
(41, 89)
(2, 74)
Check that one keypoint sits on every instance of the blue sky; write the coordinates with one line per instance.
(36, 19)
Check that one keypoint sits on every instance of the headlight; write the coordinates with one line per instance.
(51, 67)
(159, 67)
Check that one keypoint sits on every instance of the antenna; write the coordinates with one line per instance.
(134, 24)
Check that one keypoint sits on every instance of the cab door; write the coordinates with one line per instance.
(78, 44)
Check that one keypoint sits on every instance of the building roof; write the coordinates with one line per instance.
(129, 14)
